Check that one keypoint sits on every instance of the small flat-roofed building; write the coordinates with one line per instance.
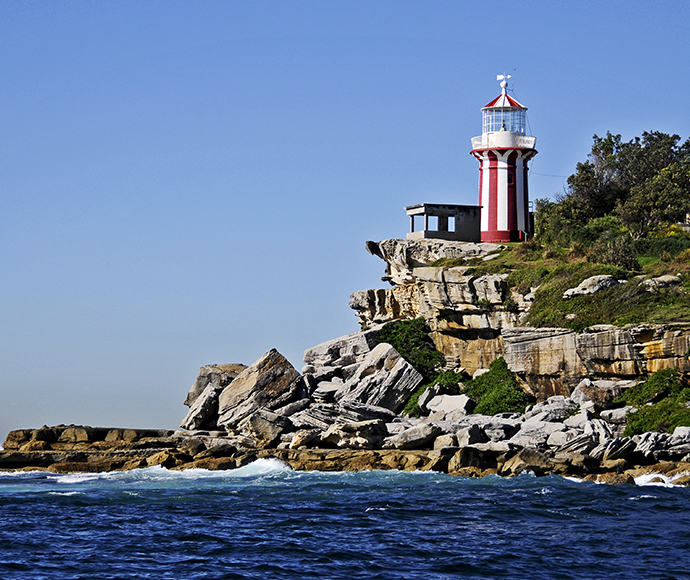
(460, 223)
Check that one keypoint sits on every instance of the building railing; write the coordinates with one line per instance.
(503, 139)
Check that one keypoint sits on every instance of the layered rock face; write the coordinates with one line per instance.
(475, 319)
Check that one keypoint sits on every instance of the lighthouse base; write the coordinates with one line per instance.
(502, 236)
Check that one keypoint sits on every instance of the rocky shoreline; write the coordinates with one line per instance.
(344, 411)
(83, 449)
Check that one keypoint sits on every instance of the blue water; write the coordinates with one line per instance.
(265, 521)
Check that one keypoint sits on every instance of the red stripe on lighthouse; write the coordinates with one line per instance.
(526, 198)
(493, 191)
(512, 192)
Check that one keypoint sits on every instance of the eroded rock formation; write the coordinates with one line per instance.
(476, 319)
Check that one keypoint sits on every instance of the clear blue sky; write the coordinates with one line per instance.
(185, 183)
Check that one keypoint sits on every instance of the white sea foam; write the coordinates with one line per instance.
(76, 477)
(662, 480)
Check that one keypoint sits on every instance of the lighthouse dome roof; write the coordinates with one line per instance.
(504, 101)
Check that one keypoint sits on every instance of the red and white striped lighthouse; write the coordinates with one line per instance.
(503, 151)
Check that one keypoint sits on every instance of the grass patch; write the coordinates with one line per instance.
(554, 270)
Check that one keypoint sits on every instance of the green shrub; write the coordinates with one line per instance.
(662, 384)
(668, 393)
(497, 391)
(596, 227)
(663, 417)
(411, 339)
(449, 382)
(617, 251)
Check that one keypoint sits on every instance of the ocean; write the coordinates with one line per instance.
(266, 521)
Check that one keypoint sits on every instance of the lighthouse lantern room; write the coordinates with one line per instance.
(503, 150)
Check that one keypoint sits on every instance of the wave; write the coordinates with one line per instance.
(270, 468)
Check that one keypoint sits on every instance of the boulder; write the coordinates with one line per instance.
(602, 393)
(592, 285)
(556, 408)
(325, 391)
(617, 416)
(356, 411)
(271, 382)
(579, 420)
(342, 351)
(494, 428)
(292, 408)
(649, 443)
(680, 435)
(443, 441)
(203, 413)
(618, 448)
(581, 444)
(612, 478)
(265, 427)
(469, 435)
(679, 452)
(455, 406)
(384, 379)
(481, 457)
(430, 392)
(559, 438)
(599, 430)
(529, 438)
(322, 415)
(417, 437)
(317, 416)
(660, 282)
(526, 460)
(304, 437)
(219, 376)
(356, 435)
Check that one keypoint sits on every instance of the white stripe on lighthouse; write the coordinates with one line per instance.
(502, 197)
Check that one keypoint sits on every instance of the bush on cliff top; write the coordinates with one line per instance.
(662, 402)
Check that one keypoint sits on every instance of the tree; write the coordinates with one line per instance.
(662, 199)
(645, 182)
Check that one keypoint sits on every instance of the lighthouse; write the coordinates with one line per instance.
(503, 150)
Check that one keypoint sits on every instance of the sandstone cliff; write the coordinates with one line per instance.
(475, 319)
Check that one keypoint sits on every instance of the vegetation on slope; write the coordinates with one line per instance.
(661, 403)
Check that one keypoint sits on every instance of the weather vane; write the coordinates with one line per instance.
(504, 80)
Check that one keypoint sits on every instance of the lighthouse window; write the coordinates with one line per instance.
(504, 120)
